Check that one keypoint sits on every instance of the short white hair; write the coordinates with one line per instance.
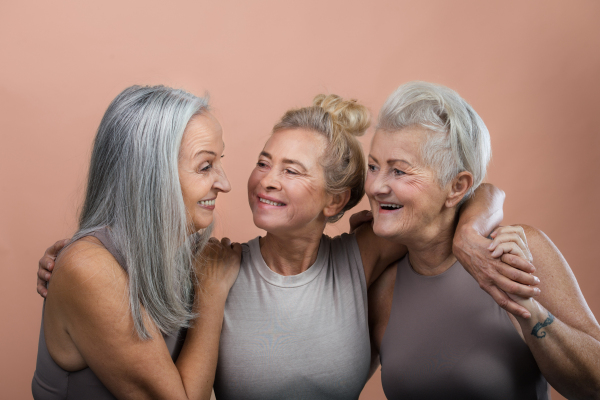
(458, 141)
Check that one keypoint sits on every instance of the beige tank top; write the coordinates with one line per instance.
(296, 337)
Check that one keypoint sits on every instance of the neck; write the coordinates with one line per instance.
(290, 255)
(430, 251)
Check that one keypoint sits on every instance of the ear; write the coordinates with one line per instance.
(460, 185)
(336, 203)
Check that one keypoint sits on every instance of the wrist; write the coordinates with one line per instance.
(463, 235)
(537, 311)
(210, 293)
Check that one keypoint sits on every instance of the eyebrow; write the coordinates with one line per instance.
(392, 161)
(285, 160)
(205, 151)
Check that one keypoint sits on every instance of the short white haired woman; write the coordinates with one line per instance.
(126, 287)
(437, 334)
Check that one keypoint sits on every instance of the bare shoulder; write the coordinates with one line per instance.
(87, 281)
(88, 292)
(83, 266)
(381, 294)
(560, 292)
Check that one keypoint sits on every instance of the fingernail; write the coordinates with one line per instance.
(369, 213)
(536, 279)
(491, 246)
(537, 291)
(526, 315)
(48, 276)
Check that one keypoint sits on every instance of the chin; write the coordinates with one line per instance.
(380, 230)
(260, 223)
(205, 223)
(383, 231)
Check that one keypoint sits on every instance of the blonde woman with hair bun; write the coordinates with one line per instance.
(295, 320)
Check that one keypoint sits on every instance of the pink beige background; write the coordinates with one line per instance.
(530, 69)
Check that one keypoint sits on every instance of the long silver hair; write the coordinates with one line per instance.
(133, 188)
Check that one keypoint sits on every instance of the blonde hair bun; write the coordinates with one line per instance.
(346, 115)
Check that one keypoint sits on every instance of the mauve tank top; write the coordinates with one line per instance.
(51, 382)
(448, 339)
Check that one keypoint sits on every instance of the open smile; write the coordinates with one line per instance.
(270, 202)
(210, 204)
(390, 206)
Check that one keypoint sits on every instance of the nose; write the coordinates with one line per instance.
(221, 182)
(270, 181)
(377, 185)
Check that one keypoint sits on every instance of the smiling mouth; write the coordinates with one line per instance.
(273, 203)
(207, 203)
(390, 206)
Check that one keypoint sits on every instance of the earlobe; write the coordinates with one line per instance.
(460, 185)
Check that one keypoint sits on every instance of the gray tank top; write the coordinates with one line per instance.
(51, 382)
(296, 337)
(447, 339)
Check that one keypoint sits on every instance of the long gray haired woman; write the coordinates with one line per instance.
(116, 320)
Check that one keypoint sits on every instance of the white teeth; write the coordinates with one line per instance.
(270, 202)
(207, 202)
(389, 205)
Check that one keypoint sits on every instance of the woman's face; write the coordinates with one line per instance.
(201, 174)
(404, 194)
(286, 189)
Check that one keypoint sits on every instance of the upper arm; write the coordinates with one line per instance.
(92, 291)
(376, 252)
(560, 293)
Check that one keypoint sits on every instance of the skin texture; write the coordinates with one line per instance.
(201, 174)
(87, 318)
(565, 346)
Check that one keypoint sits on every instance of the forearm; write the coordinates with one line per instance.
(567, 357)
(483, 211)
(198, 359)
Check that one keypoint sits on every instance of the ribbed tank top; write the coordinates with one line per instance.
(296, 337)
(448, 339)
(51, 382)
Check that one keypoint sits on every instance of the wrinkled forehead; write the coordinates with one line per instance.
(203, 131)
(401, 144)
(297, 144)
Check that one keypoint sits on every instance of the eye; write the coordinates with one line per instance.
(371, 168)
(290, 171)
(205, 167)
(261, 164)
(397, 172)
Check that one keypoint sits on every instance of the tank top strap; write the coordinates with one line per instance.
(104, 236)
